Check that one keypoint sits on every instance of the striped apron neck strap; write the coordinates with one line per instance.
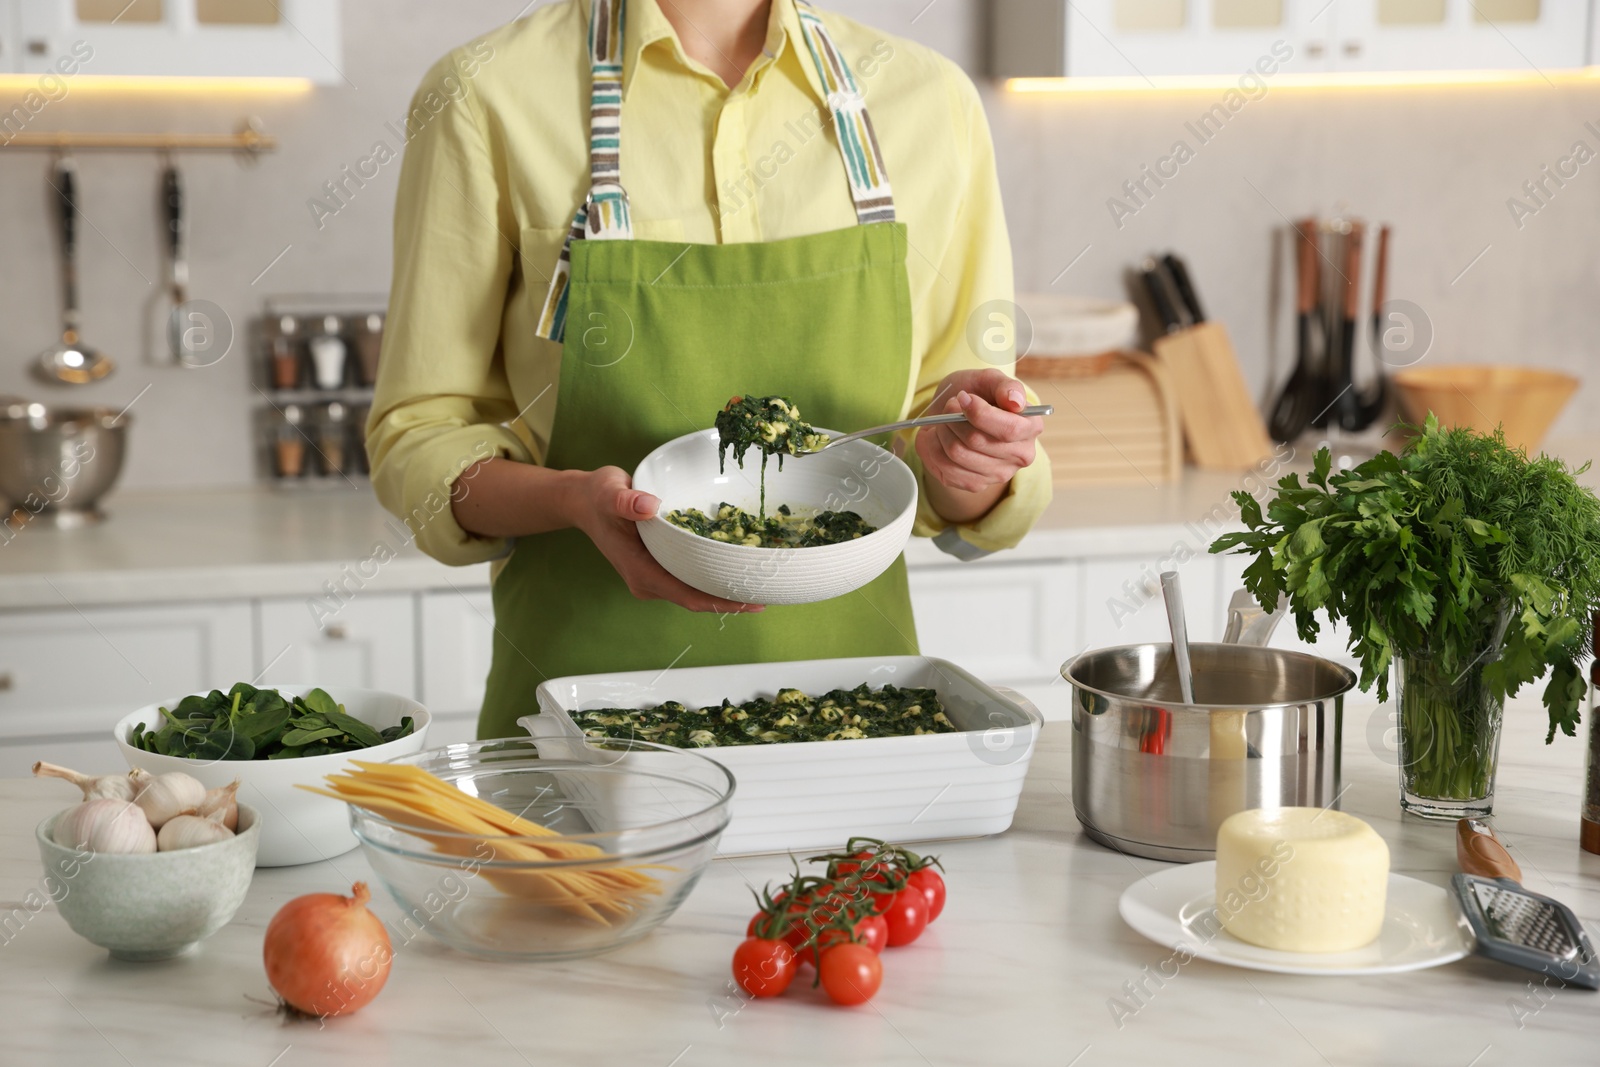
(858, 142)
(604, 214)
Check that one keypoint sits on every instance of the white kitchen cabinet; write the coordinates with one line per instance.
(1004, 622)
(10, 37)
(1122, 600)
(186, 38)
(1523, 35)
(457, 629)
(369, 643)
(68, 675)
(1156, 38)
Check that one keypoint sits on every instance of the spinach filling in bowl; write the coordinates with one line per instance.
(783, 530)
(769, 424)
(839, 715)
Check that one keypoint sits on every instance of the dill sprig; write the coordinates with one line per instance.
(1432, 553)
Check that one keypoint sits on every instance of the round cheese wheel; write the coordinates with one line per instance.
(1301, 879)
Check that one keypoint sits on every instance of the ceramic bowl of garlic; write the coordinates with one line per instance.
(144, 893)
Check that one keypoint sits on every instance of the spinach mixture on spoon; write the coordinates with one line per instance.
(771, 425)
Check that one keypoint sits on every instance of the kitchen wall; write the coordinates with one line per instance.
(1439, 163)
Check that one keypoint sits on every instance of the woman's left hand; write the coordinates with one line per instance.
(981, 455)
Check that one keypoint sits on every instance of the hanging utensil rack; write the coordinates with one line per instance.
(248, 139)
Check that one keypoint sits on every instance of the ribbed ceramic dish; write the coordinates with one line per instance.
(812, 795)
(856, 476)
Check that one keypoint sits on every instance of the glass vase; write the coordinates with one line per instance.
(1449, 737)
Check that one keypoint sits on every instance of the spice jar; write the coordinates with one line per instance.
(328, 355)
(1589, 827)
(333, 438)
(289, 444)
(369, 342)
(285, 356)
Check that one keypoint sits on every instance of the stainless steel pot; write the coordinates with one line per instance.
(1153, 776)
(56, 463)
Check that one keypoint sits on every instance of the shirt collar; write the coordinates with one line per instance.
(646, 26)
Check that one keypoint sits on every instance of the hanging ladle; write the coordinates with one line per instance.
(71, 361)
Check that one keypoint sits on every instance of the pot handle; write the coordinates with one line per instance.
(1248, 622)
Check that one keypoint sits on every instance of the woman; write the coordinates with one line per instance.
(615, 215)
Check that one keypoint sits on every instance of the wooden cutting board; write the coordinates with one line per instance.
(1115, 427)
(1223, 427)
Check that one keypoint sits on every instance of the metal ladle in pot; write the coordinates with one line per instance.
(71, 361)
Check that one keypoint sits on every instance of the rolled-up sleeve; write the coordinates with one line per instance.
(442, 400)
(976, 266)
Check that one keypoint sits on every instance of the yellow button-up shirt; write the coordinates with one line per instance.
(496, 163)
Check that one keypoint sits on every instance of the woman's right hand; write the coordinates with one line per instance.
(606, 508)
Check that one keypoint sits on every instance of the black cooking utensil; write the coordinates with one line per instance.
(1511, 924)
(1160, 289)
(1370, 403)
(1341, 379)
(1300, 397)
(1179, 272)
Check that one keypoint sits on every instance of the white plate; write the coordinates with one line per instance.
(1177, 908)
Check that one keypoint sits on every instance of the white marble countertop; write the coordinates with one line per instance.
(239, 543)
(1020, 969)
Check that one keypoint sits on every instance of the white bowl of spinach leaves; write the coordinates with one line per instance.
(272, 740)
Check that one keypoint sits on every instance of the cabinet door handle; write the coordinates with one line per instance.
(38, 47)
(1352, 48)
(335, 632)
(7, 682)
(1314, 49)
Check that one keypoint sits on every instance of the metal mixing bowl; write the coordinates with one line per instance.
(57, 462)
(1154, 776)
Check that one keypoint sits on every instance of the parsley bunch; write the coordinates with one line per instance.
(1436, 553)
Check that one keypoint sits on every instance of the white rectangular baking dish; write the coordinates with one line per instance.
(804, 796)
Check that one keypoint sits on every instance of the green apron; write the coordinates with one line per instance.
(663, 333)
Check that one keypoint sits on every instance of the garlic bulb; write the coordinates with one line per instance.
(223, 799)
(191, 831)
(115, 786)
(105, 825)
(164, 796)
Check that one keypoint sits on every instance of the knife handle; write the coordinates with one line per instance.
(1156, 285)
(1352, 270)
(1179, 273)
(1306, 274)
(1380, 285)
(1479, 852)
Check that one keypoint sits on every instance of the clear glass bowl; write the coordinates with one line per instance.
(647, 818)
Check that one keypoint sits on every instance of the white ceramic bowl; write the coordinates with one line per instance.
(297, 826)
(156, 905)
(856, 476)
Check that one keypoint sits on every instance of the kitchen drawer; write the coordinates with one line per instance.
(1122, 603)
(1006, 622)
(457, 639)
(369, 643)
(68, 672)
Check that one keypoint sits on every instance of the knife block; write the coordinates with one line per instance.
(1223, 427)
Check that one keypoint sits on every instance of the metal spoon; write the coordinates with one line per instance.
(1172, 593)
(71, 361)
(926, 420)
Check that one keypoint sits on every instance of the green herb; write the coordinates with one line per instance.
(770, 424)
(783, 530)
(1427, 555)
(249, 723)
(841, 715)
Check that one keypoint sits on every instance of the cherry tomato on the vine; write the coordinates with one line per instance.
(764, 967)
(850, 973)
(931, 882)
(907, 916)
(873, 931)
